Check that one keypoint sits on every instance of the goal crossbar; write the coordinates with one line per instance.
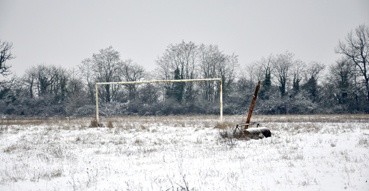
(162, 81)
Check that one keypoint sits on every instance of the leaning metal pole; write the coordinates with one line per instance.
(252, 105)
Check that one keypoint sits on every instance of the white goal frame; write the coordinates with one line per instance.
(162, 81)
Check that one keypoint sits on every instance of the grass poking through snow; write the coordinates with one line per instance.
(185, 153)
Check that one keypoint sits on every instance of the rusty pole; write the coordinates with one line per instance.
(252, 105)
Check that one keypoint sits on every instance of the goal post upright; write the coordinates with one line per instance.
(162, 81)
(97, 103)
(221, 99)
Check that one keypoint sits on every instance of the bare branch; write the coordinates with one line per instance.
(5, 55)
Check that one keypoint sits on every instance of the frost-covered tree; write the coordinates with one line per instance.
(49, 90)
(213, 63)
(131, 72)
(343, 92)
(181, 57)
(356, 48)
(312, 76)
(45, 80)
(104, 66)
(282, 64)
(298, 70)
(5, 55)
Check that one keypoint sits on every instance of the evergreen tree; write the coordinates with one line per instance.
(266, 85)
(178, 87)
(296, 86)
(311, 87)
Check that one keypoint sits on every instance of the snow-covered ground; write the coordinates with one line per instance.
(185, 153)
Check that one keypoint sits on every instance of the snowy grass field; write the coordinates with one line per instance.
(185, 153)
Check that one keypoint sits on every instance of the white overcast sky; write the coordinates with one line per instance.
(65, 32)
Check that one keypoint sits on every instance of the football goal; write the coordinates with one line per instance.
(161, 81)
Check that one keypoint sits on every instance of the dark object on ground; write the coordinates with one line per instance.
(257, 131)
(250, 133)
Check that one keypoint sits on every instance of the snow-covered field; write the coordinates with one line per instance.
(185, 153)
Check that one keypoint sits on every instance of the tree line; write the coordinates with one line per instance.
(289, 85)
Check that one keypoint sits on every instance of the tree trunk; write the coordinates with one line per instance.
(367, 90)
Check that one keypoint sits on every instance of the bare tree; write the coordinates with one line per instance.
(178, 62)
(105, 67)
(253, 72)
(227, 71)
(76, 94)
(88, 77)
(208, 58)
(215, 64)
(282, 66)
(356, 48)
(181, 56)
(29, 78)
(342, 78)
(44, 80)
(5, 55)
(132, 72)
(50, 90)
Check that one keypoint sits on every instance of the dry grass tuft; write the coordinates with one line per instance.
(138, 142)
(110, 124)
(363, 142)
(94, 123)
(231, 133)
(224, 125)
(10, 149)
